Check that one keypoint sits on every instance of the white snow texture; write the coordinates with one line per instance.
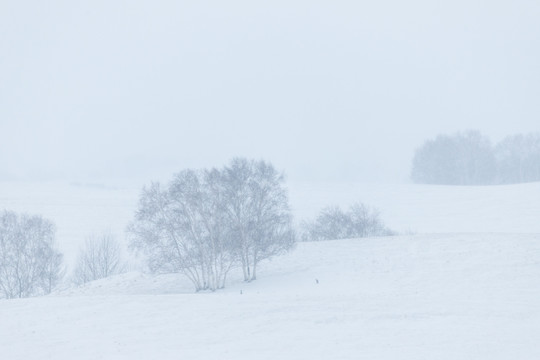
(465, 286)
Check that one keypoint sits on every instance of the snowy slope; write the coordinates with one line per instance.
(462, 296)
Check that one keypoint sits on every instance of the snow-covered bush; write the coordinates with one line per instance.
(332, 223)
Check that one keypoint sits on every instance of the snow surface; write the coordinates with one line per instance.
(465, 286)
(461, 296)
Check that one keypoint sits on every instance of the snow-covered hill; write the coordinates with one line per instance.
(465, 287)
(461, 296)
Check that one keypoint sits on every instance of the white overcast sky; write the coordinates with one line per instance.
(326, 90)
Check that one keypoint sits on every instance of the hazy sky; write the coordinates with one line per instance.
(326, 90)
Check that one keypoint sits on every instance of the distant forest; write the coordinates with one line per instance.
(469, 158)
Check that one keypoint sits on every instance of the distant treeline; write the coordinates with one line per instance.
(469, 158)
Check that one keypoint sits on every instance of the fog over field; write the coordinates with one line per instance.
(325, 90)
(269, 180)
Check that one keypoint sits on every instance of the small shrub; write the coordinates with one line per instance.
(100, 258)
(332, 223)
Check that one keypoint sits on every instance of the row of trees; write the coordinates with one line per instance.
(203, 224)
(469, 158)
(333, 223)
(206, 222)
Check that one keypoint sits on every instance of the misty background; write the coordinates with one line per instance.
(326, 90)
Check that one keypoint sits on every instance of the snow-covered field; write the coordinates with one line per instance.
(420, 297)
(465, 286)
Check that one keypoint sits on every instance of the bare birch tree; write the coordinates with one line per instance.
(100, 257)
(181, 229)
(30, 265)
(258, 212)
(205, 222)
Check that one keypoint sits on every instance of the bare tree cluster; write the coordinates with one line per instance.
(206, 222)
(459, 159)
(470, 159)
(100, 257)
(30, 265)
(518, 159)
(332, 223)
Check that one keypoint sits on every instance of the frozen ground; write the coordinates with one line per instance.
(465, 286)
(467, 296)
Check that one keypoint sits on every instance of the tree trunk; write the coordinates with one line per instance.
(254, 275)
